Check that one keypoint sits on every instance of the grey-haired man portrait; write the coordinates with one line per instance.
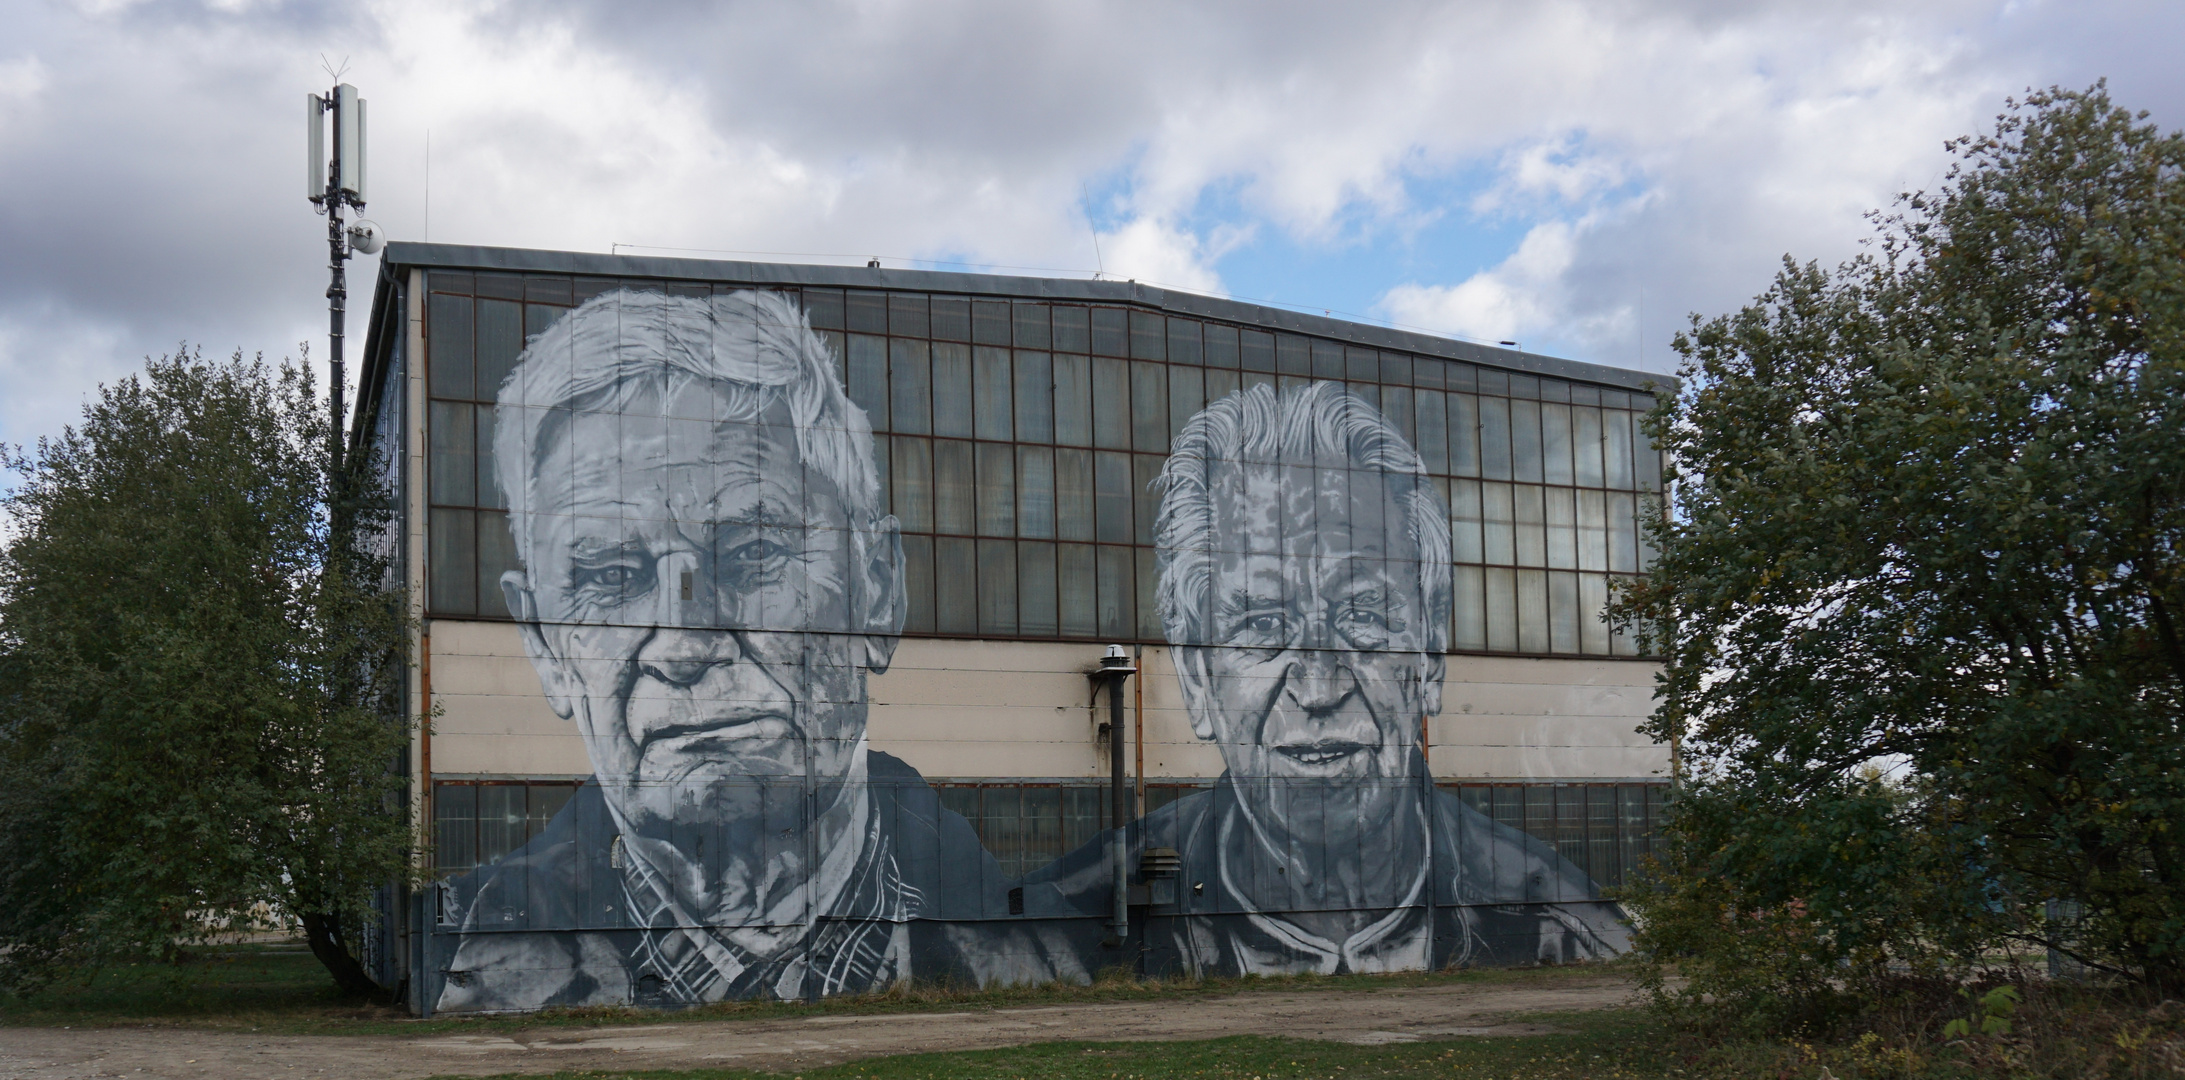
(708, 576)
(1305, 585)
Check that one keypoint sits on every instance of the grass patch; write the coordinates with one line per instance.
(1606, 1045)
(218, 986)
(2078, 1034)
(2060, 1030)
(283, 990)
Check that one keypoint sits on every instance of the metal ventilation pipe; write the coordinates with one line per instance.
(1116, 668)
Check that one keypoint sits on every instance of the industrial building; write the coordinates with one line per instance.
(1019, 429)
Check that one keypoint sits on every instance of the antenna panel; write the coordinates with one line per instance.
(314, 177)
(348, 139)
(363, 150)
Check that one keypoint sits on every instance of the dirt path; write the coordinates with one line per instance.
(1376, 1016)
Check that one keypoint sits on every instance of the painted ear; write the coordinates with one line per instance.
(1431, 674)
(555, 678)
(882, 600)
(1193, 675)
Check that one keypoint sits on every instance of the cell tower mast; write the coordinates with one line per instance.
(333, 182)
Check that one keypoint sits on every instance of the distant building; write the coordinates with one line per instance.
(810, 564)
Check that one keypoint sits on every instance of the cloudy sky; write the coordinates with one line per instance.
(1575, 176)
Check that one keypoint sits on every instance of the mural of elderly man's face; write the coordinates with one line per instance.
(698, 601)
(1313, 670)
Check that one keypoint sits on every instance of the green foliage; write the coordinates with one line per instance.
(1929, 530)
(199, 675)
(1991, 1013)
(1854, 931)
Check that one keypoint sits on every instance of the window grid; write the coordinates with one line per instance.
(471, 344)
(1021, 486)
(1606, 829)
(480, 822)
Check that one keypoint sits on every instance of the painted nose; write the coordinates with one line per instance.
(680, 657)
(1320, 681)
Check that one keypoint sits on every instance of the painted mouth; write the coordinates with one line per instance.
(734, 727)
(1316, 755)
(709, 752)
(691, 736)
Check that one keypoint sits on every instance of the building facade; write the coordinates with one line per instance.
(757, 606)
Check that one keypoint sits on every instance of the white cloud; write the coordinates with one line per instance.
(21, 78)
(1656, 158)
(50, 360)
(1557, 170)
(1493, 305)
(1683, 193)
(1158, 253)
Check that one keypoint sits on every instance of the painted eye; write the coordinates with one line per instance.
(756, 551)
(1269, 625)
(1363, 617)
(615, 578)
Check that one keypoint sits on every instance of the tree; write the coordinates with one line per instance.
(200, 677)
(1919, 591)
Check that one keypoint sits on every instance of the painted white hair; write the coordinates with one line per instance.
(1260, 427)
(621, 347)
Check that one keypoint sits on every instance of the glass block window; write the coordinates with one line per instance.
(471, 344)
(1027, 826)
(1016, 440)
(479, 823)
(1605, 829)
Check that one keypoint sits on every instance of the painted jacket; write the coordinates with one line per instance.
(1471, 891)
(562, 921)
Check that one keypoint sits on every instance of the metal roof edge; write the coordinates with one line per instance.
(593, 264)
(368, 370)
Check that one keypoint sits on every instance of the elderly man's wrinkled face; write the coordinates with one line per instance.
(703, 608)
(1313, 665)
